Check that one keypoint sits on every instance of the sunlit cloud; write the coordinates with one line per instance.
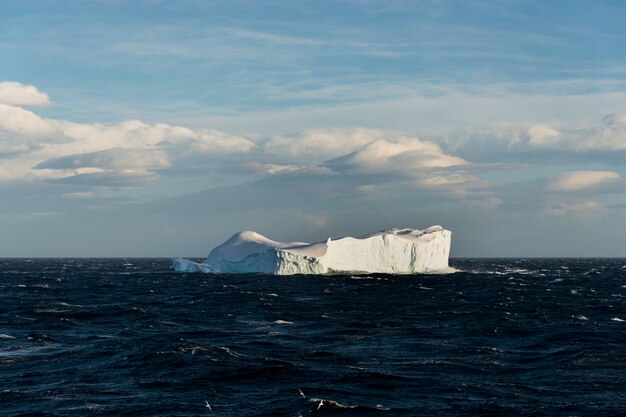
(34, 147)
(578, 181)
(18, 94)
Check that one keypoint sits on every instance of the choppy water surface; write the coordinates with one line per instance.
(130, 337)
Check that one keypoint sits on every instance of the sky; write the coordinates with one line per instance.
(161, 128)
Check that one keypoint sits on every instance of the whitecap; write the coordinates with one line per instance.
(617, 319)
(520, 271)
(320, 402)
(198, 349)
(232, 352)
(69, 305)
(6, 336)
(48, 310)
(283, 322)
(581, 317)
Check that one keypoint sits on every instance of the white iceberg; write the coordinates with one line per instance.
(392, 251)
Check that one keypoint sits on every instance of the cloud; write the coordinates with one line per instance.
(610, 136)
(115, 167)
(17, 94)
(424, 163)
(113, 159)
(20, 122)
(89, 195)
(320, 144)
(614, 119)
(606, 137)
(370, 161)
(257, 167)
(524, 141)
(577, 181)
(409, 161)
(33, 147)
(583, 209)
(404, 155)
(136, 134)
(189, 142)
(540, 134)
(497, 142)
(133, 153)
(122, 178)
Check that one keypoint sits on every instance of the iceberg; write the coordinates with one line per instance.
(391, 251)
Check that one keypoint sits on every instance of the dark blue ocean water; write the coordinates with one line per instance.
(506, 337)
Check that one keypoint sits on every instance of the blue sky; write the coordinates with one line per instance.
(160, 128)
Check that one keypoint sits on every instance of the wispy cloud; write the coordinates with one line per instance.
(585, 209)
(587, 181)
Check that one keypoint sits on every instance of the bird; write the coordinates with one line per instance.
(301, 393)
(207, 405)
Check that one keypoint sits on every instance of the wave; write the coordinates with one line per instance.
(324, 406)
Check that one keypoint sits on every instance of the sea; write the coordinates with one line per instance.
(130, 337)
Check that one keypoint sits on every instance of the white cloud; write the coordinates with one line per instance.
(577, 181)
(320, 144)
(607, 137)
(188, 142)
(257, 167)
(540, 134)
(17, 94)
(536, 141)
(20, 122)
(497, 139)
(408, 160)
(136, 134)
(404, 154)
(33, 147)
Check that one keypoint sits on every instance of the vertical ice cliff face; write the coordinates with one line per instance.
(392, 251)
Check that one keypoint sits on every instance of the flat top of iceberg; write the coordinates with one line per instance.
(392, 251)
(244, 244)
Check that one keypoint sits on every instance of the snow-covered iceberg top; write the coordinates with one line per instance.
(392, 251)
